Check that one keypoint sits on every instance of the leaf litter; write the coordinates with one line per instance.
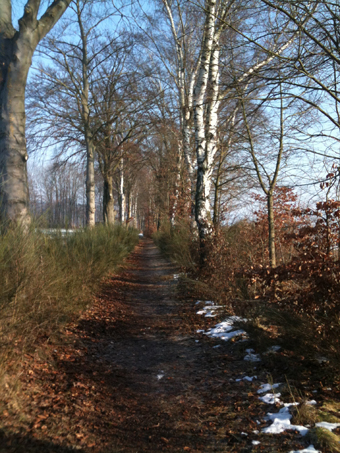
(94, 389)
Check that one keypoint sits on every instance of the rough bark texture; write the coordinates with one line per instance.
(108, 202)
(271, 232)
(16, 51)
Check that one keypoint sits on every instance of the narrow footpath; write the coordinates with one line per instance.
(132, 375)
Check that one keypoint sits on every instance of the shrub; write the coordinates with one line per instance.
(44, 280)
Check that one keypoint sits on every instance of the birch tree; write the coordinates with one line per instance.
(16, 52)
(182, 21)
(206, 105)
(216, 82)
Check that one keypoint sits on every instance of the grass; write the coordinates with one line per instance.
(45, 281)
(324, 439)
(178, 244)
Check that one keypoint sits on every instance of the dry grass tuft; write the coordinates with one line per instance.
(324, 439)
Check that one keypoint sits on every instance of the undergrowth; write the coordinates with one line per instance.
(294, 305)
(47, 279)
(297, 301)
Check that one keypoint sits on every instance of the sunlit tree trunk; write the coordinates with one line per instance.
(90, 180)
(202, 205)
(121, 193)
(185, 85)
(271, 228)
(16, 52)
(108, 201)
(177, 187)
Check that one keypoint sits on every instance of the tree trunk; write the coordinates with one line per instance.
(177, 187)
(108, 201)
(202, 207)
(90, 186)
(121, 193)
(271, 228)
(16, 51)
(216, 197)
(13, 156)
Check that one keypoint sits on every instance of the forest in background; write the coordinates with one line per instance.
(213, 126)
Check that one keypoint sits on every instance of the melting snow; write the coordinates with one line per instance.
(216, 333)
(281, 422)
(307, 450)
(270, 398)
(326, 425)
(209, 311)
(268, 387)
(251, 357)
(274, 349)
(224, 330)
(246, 378)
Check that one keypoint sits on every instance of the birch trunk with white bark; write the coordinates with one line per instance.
(185, 86)
(202, 207)
(121, 193)
(90, 180)
(16, 52)
(177, 183)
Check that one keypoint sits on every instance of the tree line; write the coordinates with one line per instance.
(178, 109)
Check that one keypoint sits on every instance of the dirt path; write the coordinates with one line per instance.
(133, 377)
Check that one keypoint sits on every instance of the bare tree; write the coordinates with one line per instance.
(16, 52)
(63, 89)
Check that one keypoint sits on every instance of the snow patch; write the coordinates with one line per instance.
(270, 398)
(246, 378)
(281, 422)
(306, 450)
(273, 349)
(224, 330)
(255, 442)
(209, 309)
(251, 357)
(326, 425)
(267, 387)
